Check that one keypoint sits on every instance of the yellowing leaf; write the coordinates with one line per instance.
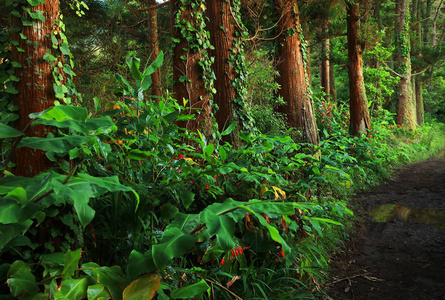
(279, 191)
(144, 287)
(263, 189)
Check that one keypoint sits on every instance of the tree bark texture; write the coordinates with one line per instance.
(293, 78)
(154, 48)
(222, 28)
(189, 82)
(358, 103)
(36, 92)
(406, 114)
(420, 111)
(324, 67)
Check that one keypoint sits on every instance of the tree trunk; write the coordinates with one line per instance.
(324, 68)
(35, 87)
(188, 74)
(406, 115)
(154, 48)
(420, 112)
(293, 77)
(332, 88)
(226, 30)
(358, 103)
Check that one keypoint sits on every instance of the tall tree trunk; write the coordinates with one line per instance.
(406, 115)
(324, 68)
(35, 87)
(226, 30)
(154, 48)
(188, 60)
(420, 112)
(333, 88)
(358, 103)
(293, 78)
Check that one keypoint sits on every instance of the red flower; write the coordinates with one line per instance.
(222, 261)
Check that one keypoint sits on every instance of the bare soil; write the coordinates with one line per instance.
(403, 255)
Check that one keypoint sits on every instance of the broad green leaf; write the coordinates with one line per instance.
(139, 264)
(48, 56)
(104, 123)
(146, 83)
(97, 292)
(21, 280)
(223, 227)
(57, 144)
(65, 49)
(174, 243)
(185, 222)
(222, 153)
(155, 65)
(323, 220)
(229, 129)
(209, 149)
(124, 82)
(72, 289)
(113, 279)
(62, 112)
(144, 287)
(71, 263)
(187, 198)
(13, 212)
(10, 231)
(190, 291)
(111, 184)
(8, 132)
(133, 64)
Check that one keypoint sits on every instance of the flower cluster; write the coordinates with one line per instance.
(236, 251)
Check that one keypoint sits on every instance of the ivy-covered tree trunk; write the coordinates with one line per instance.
(358, 103)
(191, 63)
(293, 78)
(154, 48)
(226, 36)
(34, 52)
(406, 114)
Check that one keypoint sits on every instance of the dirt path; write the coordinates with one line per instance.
(403, 255)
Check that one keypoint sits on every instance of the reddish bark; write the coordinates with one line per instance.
(154, 47)
(324, 67)
(293, 78)
(188, 74)
(218, 12)
(35, 87)
(358, 103)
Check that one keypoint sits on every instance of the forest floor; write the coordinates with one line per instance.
(398, 248)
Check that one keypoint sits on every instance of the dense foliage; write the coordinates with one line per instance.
(136, 206)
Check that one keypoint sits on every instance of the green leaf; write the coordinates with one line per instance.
(133, 63)
(223, 227)
(65, 49)
(35, 2)
(11, 90)
(10, 231)
(229, 129)
(187, 198)
(113, 279)
(48, 56)
(104, 124)
(60, 90)
(57, 144)
(222, 153)
(139, 264)
(124, 82)
(209, 149)
(155, 65)
(139, 154)
(71, 263)
(21, 280)
(144, 287)
(97, 292)
(61, 113)
(146, 83)
(174, 243)
(72, 289)
(190, 291)
(11, 211)
(8, 132)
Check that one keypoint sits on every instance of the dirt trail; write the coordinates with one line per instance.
(402, 256)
